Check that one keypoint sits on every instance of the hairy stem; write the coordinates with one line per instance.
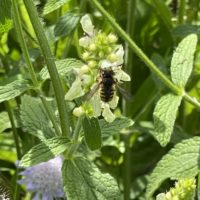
(49, 59)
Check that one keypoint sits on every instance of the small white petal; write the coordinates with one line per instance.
(107, 114)
(120, 55)
(120, 75)
(75, 90)
(105, 64)
(87, 25)
(96, 104)
(84, 41)
(113, 103)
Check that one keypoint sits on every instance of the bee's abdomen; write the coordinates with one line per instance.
(107, 93)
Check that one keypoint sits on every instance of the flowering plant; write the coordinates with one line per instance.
(100, 53)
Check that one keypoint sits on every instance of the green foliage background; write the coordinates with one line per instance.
(135, 144)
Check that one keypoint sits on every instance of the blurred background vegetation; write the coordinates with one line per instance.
(156, 26)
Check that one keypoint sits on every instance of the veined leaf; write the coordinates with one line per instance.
(182, 60)
(184, 30)
(114, 127)
(66, 24)
(4, 121)
(44, 151)
(6, 22)
(52, 5)
(34, 118)
(181, 162)
(63, 66)
(13, 89)
(92, 133)
(83, 180)
(164, 117)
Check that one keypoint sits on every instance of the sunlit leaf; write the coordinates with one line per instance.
(44, 151)
(13, 89)
(66, 24)
(182, 61)
(63, 66)
(90, 182)
(181, 162)
(164, 117)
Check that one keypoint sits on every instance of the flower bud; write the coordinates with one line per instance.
(92, 47)
(85, 69)
(112, 57)
(85, 55)
(78, 111)
(92, 63)
(112, 38)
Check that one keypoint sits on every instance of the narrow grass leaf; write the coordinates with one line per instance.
(164, 117)
(66, 24)
(63, 66)
(13, 89)
(182, 60)
(92, 132)
(52, 5)
(6, 22)
(83, 180)
(44, 151)
(181, 162)
(35, 119)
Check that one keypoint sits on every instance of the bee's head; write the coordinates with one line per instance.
(107, 72)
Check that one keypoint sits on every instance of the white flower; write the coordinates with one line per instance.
(87, 25)
(45, 179)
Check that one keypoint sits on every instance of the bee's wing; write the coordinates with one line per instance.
(124, 93)
(90, 94)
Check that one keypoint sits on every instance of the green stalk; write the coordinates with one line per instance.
(18, 150)
(142, 56)
(49, 59)
(18, 27)
(181, 11)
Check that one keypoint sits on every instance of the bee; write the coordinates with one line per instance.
(107, 85)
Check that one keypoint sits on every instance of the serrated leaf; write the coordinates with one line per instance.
(35, 119)
(44, 151)
(52, 5)
(114, 127)
(182, 60)
(13, 89)
(83, 180)
(66, 24)
(92, 132)
(4, 121)
(164, 117)
(63, 66)
(6, 22)
(181, 162)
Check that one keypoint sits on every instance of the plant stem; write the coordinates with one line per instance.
(18, 150)
(142, 56)
(49, 59)
(181, 11)
(18, 27)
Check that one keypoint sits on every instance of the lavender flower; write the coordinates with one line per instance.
(44, 179)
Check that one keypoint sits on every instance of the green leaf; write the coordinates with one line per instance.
(63, 66)
(66, 24)
(4, 121)
(35, 119)
(13, 89)
(186, 29)
(44, 151)
(83, 180)
(182, 61)
(181, 162)
(92, 132)
(6, 22)
(52, 5)
(114, 127)
(164, 117)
